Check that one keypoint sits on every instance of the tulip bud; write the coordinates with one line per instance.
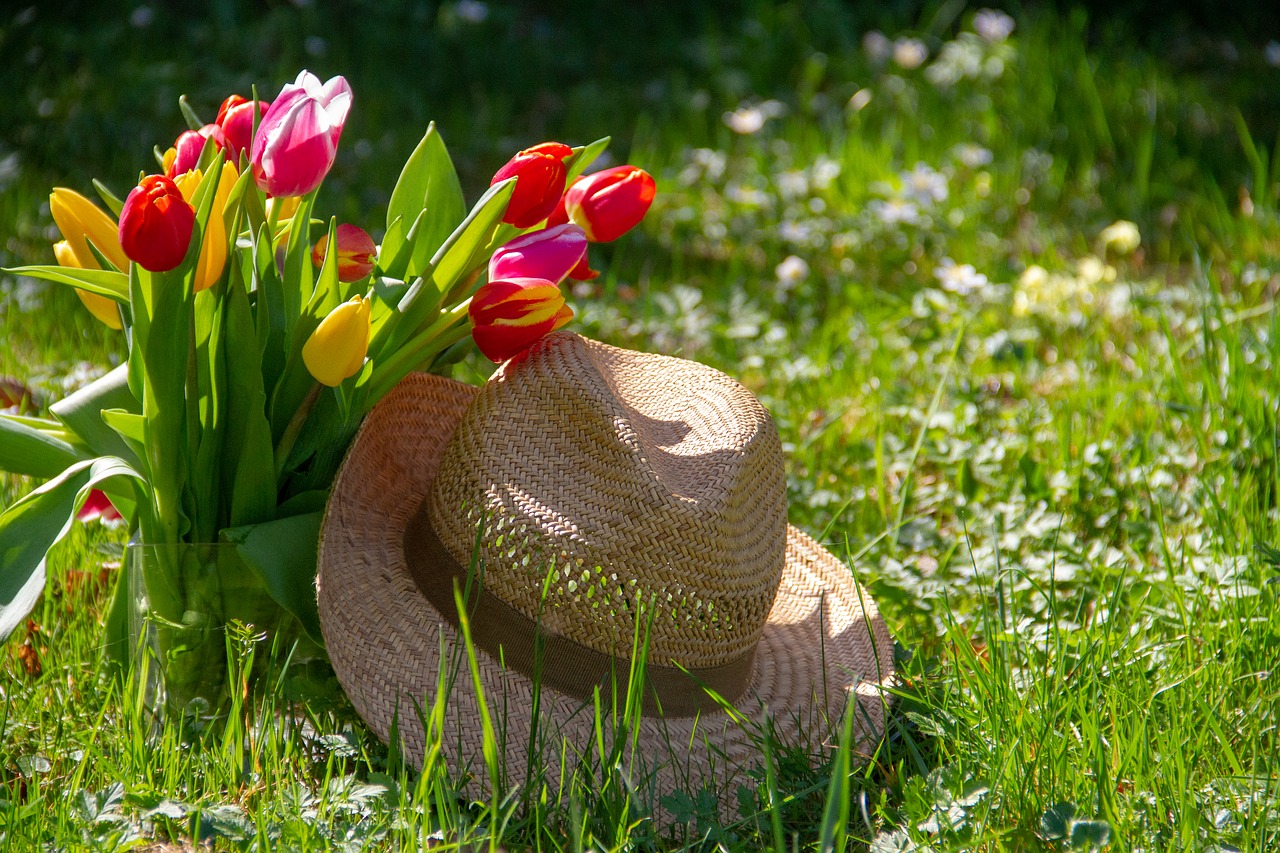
(509, 315)
(551, 254)
(213, 246)
(610, 203)
(82, 222)
(356, 252)
(336, 349)
(297, 139)
(156, 224)
(235, 117)
(99, 306)
(188, 148)
(540, 175)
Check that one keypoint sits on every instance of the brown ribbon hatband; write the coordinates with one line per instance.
(528, 647)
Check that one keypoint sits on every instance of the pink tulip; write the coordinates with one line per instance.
(298, 137)
(549, 254)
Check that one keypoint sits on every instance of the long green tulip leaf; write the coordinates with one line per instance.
(283, 554)
(36, 522)
(82, 414)
(108, 283)
(428, 183)
(247, 475)
(25, 449)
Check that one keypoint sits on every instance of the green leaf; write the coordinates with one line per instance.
(110, 199)
(584, 157)
(130, 427)
(108, 283)
(82, 413)
(35, 522)
(27, 450)
(461, 253)
(427, 184)
(193, 120)
(418, 307)
(248, 472)
(283, 555)
(1090, 834)
(1055, 823)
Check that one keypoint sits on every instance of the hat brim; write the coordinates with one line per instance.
(388, 644)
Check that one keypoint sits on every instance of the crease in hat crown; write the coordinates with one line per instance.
(615, 480)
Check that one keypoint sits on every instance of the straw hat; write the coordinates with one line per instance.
(585, 497)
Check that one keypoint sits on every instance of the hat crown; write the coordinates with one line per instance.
(611, 483)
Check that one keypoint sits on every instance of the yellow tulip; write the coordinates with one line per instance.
(213, 250)
(80, 220)
(100, 306)
(336, 349)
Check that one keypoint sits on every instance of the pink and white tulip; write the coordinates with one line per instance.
(297, 139)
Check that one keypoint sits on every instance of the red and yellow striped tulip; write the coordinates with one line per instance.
(509, 315)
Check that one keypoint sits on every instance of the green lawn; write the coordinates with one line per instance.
(1050, 456)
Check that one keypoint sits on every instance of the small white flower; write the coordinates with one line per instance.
(791, 271)
(993, 25)
(745, 120)
(749, 119)
(909, 53)
(895, 211)
(1121, 237)
(924, 185)
(971, 155)
(959, 278)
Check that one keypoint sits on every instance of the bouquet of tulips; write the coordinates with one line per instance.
(259, 335)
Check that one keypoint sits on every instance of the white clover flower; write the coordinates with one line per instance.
(877, 47)
(791, 271)
(993, 25)
(924, 185)
(751, 118)
(1121, 237)
(745, 120)
(895, 211)
(959, 278)
(971, 155)
(909, 53)
(959, 60)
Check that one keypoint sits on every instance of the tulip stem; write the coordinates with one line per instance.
(285, 447)
(428, 343)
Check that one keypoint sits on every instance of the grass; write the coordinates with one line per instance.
(1061, 486)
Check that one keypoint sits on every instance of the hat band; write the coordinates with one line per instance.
(556, 661)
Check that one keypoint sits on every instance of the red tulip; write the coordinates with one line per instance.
(188, 147)
(509, 315)
(356, 252)
(97, 507)
(156, 224)
(235, 117)
(551, 254)
(540, 174)
(609, 203)
(297, 139)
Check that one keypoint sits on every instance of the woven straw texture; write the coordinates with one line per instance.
(665, 474)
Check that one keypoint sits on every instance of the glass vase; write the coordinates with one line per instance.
(183, 598)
